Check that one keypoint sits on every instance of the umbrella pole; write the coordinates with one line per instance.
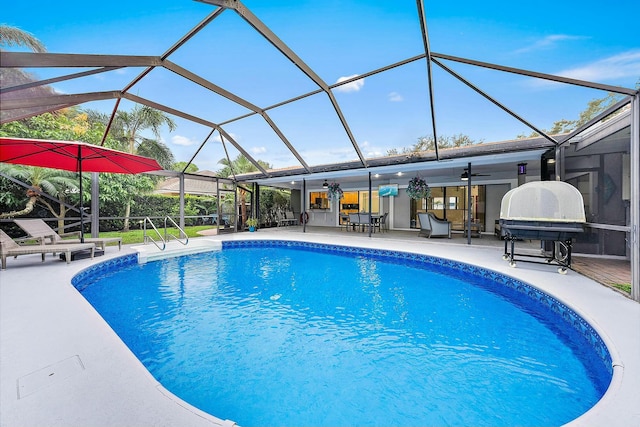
(81, 207)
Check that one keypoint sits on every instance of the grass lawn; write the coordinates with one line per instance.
(626, 287)
(136, 236)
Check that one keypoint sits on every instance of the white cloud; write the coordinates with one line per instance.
(354, 86)
(626, 64)
(371, 151)
(258, 150)
(620, 66)
(216, 138)
(322, 156)
(548, 42)
(395, 97)
(182, 140)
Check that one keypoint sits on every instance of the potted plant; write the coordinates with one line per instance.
(334, 192)
(252, 223)
(418, 189)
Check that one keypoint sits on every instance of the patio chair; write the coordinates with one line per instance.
(425, 225)
(439, 227)
(385, 224)
(354, 220)
(40, 230)
(381, 222)
(290, 217)
(431, 226)
(344, 221)
(9, 247)
(366, 221)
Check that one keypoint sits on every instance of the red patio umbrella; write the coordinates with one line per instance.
(73, 156)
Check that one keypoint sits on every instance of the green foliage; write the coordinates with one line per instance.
(180, 166)
(132, 237)
(594, 107)
(12, 195)
(426, 143)
(127, 127)
(156, 150)
(154, 206)
(69, 124)
(72, 124)
(626, 287)
(160, 205)
(273, 200)
(239, 165)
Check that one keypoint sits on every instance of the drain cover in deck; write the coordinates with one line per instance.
(44, 377)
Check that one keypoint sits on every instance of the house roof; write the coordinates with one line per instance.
(192, 185)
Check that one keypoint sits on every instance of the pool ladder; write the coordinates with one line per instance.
(167, 236)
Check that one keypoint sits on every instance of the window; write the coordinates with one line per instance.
(451, 203)
(319, 200)
(358, 201)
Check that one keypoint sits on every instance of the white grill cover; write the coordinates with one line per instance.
(554, 201)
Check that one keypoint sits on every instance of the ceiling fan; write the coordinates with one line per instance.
(465, 175)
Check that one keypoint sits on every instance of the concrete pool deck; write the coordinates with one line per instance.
(62, 365)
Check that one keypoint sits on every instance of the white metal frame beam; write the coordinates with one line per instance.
(272, 38)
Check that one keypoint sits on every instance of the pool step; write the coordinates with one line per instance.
(172, 249)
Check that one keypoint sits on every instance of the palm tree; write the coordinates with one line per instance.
(127, 128)
(156, 150)
(14, 36)
(54, 182)
(9, 77)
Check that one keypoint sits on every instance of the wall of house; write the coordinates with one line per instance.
(401, 210)
(296, 201)
(494, 194)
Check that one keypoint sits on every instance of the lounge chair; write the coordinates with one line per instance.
(40, 230)
(288, 219)
(430, 226)
(8, 247)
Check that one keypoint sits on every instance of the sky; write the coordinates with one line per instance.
(340, 40)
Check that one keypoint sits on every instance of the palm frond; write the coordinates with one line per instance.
(14, 36)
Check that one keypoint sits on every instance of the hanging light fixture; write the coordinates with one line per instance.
(325, 183)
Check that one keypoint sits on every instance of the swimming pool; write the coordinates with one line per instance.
(386, 337)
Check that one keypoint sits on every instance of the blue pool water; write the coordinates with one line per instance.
(276, 333)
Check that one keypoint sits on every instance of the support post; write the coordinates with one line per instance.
(95, 205)
(218, 205)
(370, 205)
(255, 204)
(634, 239)
(469, 204)
(304, 205)
(182, 200)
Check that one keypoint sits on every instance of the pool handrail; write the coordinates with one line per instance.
(182, 232)
(148, 238)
